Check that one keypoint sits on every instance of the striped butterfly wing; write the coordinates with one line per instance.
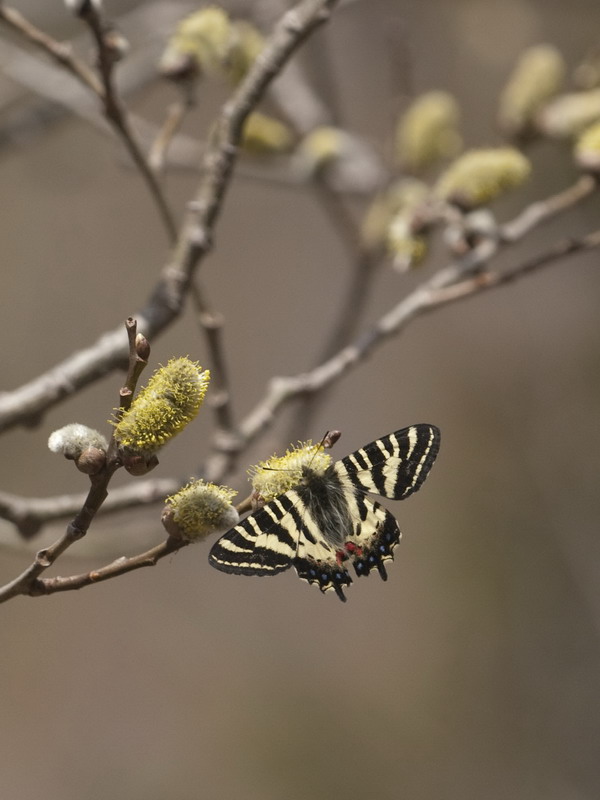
(264, 543)
(394, 466)
(371, 536)
(280, 535)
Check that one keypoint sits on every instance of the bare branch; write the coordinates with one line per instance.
(117, 116)
(543, 210)
(211, 322)
(118, 567)
(30, 514)
(59, 52)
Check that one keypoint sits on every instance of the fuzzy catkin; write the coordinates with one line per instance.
(163, 408)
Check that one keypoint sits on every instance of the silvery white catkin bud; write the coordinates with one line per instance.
(73, 439)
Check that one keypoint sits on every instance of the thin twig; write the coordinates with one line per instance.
(119, 567)
(211, 322)
(117, 116)
(59, 52)
(176, 114)
(76, 530)
(541, 211)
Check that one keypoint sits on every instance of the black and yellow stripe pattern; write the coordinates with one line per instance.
(327, 518)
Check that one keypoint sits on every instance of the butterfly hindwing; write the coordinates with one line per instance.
(371, 536)
(320, 565)
(374, 536)
(394, 466)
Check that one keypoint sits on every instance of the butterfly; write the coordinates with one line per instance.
(328, 519)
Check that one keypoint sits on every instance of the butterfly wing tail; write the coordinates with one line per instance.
(324, 574)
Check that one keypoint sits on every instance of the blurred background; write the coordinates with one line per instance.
(474, 671)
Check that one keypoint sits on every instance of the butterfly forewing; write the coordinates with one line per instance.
(263, 544)
(394, 466)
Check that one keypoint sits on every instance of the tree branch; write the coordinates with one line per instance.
(30, 514)
(59, 52)
(118, 567)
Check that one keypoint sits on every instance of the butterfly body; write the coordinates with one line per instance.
(328, 519)
(325, 500)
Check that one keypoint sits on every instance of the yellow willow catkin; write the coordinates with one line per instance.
(536, 78)
(278, 474)
(263, 135)
(480, 176)
(203, 36)
(428, 131)
(569, 114)
(245, 45)
(404, 196)
(163, 408)
(587, 149)
(322, 146)
(201, 508)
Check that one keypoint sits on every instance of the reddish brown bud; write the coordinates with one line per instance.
(116, 44)
(142, 347)
(330, 438)
(91, 461)
(138, 463)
